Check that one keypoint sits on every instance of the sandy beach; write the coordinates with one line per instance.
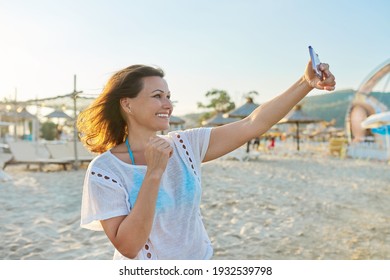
(277, 207)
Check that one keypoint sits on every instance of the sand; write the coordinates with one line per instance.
(277, 207)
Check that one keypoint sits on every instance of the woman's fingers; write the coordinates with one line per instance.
(329, 81)
(161, 145)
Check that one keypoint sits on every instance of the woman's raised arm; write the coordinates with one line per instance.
(227, 138)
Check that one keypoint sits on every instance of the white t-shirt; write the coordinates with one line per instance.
(111, 187)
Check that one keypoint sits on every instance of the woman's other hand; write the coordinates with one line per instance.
(157, 153)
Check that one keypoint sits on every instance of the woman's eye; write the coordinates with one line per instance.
(157, 96)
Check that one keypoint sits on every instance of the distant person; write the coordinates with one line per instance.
(271, 144)
(59, 133)
(256, 143)
(144, 190)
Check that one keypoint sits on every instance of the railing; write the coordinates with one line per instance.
(368, 150)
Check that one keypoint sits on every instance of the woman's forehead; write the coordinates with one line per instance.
(155, 83)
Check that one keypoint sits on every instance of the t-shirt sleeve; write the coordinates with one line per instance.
(103, 197)
(199, 139)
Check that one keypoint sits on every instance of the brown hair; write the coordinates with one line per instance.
(101, 126)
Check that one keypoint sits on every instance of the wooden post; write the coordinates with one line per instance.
(76, 163)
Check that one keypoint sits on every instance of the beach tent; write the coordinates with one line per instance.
(3, 124)
(297, 116)
(379, 123)
(21, 117)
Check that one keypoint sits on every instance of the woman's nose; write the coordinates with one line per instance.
(167, 103)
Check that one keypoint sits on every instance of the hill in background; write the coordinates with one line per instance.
(326, 106)
(334, 105)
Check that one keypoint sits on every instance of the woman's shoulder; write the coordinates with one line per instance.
(104, 159)
(190, 132)
(105, 166)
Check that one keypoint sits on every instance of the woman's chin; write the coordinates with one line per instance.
(162, 127)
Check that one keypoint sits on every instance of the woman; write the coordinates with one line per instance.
(144, 190)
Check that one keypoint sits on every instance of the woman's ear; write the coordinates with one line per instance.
(125, 104)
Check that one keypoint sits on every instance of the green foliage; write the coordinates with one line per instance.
(49, 130)
(206, 116)
(334, 106)
(251, 94)
(219, 101)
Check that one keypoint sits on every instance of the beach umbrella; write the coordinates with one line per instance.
(173, 120)
(176, 120)
(59, 114)
(219, 119)
(297, 117)
(244, 110)
(379, 123)
(25, 115)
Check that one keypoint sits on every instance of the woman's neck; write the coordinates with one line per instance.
(138, 139)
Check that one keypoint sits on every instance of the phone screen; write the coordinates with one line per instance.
(315, 62)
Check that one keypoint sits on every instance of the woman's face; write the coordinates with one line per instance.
(152, 107)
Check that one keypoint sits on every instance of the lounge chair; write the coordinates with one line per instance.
(30, 153)
(65, 151)
(83, 154)
(337, 146)
(4, 157)
(59, 151)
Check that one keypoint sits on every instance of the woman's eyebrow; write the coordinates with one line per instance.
(159, 90)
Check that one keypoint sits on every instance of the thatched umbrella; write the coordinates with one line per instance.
(25, 115)
(219, 119)
(176, 120)
(59, 114)
(244, 110)
(297, 116)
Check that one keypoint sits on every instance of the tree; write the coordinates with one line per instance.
(251, 94)
(49, 130)
(220, 101)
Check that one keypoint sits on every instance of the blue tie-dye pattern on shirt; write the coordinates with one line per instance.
(137, 179)
(189, 186)
(165, 200)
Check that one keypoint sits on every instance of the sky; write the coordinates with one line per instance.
(237, 46)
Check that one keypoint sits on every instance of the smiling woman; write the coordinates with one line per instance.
(102, 124)
(144, 190)
(139, 176)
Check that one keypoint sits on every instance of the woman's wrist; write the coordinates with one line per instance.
(154, 174)
(307, 82)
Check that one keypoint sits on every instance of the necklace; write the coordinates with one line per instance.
(130, 151)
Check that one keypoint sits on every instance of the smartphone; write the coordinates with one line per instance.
(315, 62)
